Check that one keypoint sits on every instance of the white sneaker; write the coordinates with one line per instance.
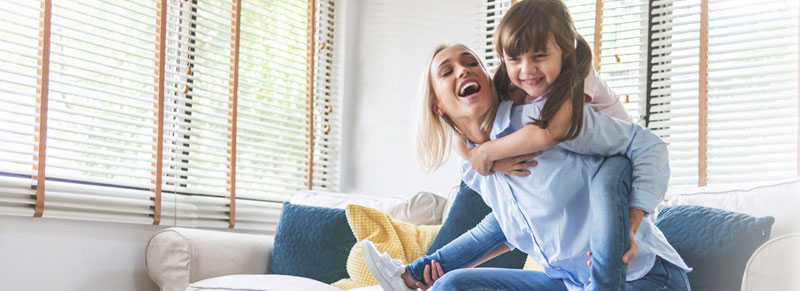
(385, 269)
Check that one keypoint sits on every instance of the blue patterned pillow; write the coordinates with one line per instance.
(467, 211)
(312, 242)
(715, 242)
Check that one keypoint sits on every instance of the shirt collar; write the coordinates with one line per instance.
(502, 121)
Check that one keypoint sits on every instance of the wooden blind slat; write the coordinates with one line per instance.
(598, 33)
(702, 131)
(234, 104)
(161, 29)
(311, 53)
(44, 78)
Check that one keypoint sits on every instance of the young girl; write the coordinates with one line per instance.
(546, 215)
(528, 72)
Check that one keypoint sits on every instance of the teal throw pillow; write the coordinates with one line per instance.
(312, 242)
(715, 242)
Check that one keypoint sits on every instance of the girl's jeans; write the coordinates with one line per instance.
(609, 241)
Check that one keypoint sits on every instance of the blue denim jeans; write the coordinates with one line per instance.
(609, 240)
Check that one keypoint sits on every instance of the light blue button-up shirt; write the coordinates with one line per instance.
(546, 214)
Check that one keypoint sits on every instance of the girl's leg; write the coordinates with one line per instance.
(463, 251)
(610, 234)
(663, 276)
(497, 279)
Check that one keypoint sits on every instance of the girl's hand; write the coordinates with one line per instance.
(516, 166)
(480, 161)
(431, 273)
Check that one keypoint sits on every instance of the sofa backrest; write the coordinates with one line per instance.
(779, 199)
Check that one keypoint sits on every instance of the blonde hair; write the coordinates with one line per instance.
(530, 24)
(435, 132)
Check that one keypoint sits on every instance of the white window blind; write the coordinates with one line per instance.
(752, 90)
(20, 97)
(622, 53)
(327, 105)
(674, 95)
(491, 12)
(751, 95)
(242, 128)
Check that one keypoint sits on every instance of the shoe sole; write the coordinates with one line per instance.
(370, 259)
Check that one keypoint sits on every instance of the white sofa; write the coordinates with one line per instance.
(181, 259)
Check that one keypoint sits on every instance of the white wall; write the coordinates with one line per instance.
(42, 254)
(388, 44)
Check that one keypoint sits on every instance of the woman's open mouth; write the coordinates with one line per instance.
(468, 89)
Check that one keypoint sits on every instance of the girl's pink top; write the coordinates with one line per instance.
(602, 99)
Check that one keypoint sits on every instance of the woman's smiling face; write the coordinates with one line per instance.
(461, 85)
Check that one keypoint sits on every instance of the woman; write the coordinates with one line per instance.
(548, 214)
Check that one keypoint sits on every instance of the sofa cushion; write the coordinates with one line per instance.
(312, 242)
(467, 211)
(715, 242)
(401, 240)
(260, 282)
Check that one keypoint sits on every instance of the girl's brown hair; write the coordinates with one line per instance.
(530, 24)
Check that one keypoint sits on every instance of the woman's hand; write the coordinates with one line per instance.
(431, 273)
(635, 217)
(480, 161)
(516, 166)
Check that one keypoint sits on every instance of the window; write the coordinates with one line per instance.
(213, 125)
(492, 12)
(724, 89)
(717, 79)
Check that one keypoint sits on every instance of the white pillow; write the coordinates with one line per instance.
(424, 208)
(268, 282)
(778, 199)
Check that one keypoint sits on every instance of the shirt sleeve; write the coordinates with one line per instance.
(607, 136)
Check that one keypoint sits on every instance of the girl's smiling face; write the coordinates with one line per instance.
(534, 71)
(461, 85)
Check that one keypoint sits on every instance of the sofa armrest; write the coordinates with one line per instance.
(177, 256)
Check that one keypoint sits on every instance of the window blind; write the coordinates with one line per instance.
(21, 67)
(622, 52)
(752, 90)
(191, 113)
(743, 127)
(491, 12)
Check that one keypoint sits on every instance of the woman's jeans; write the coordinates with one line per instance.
(609, 240)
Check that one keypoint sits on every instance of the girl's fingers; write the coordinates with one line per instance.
(439, 268)
(519, 173)
(426, 274)
(523, 158)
